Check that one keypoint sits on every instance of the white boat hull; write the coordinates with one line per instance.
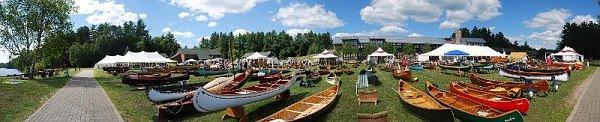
(332, 81)
(205, 101)
(559, 77)
(156, 96)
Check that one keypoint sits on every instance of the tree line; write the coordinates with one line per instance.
(584, 38)
(280, 43)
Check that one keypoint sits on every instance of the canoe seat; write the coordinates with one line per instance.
(367, 96)
(468, 107)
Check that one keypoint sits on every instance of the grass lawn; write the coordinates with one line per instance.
(19, 101)
(133, 105)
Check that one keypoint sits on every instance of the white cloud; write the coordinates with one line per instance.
(484, 9)
(396, 12)
(106, 12)
(449, 25)
(201, 18)
(304, 16)
(240, 31)
(212, 24)
(294, 32)
(581, 19)
(216, 9)
(548, 35)
(552, 22)
(384, 31)
(391, 29)
(186, 34)
(183, 15)
(415, 35)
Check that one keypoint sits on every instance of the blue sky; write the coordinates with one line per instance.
(516, 19)
(538, 22)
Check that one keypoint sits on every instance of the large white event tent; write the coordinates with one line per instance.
(568, 54)
(133, 58)
(379, 53)
(474, 51)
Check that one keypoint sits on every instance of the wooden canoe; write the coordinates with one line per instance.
(422, 104)
(153, 79)
(540, 86)
(231, 83)
(495, 101)
(205, 101)
(205, 72)
(270, 78)
(499, 90)
(333, 79)
(471, 111)
(458, 68)
(172, 92)
(307, 109)
(560, 76)
(402, 75)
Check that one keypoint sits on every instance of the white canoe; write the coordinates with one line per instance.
(205, 101)
(156, 96)
(559, 77)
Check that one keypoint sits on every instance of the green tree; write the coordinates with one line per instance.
(167, 44)
(315, 48)
(368, 49)
(25, 24)
(426, 48)
(83, 55)
(408, 49)
(388, 47)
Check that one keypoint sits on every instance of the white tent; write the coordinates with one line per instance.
(568, 54)
(108, 61)
(256, 55)
(379, 53)
(133, 58)
(325, 54)
(471, 50)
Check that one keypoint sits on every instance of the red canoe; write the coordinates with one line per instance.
(495, 101)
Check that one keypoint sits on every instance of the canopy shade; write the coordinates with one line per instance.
(256, 55)
(456, 53)
(470, 50)
(133, 57)
(380, 53)
(325, 54)
(568, 54)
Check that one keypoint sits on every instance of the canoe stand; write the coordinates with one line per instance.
(238, 112)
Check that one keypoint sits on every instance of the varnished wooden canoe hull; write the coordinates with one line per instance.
(311, 116)
(537, 86)
(203, 72)
(444, 115)
(513, 116)
(522, 104)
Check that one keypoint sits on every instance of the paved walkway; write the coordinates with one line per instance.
(587, 108)
(81, 100)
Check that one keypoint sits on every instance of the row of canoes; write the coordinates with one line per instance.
(230, 95)
(468, 102)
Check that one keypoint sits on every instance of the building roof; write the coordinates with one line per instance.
(267, 53)
(202, 53)
(393, 39)
(472, 40)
